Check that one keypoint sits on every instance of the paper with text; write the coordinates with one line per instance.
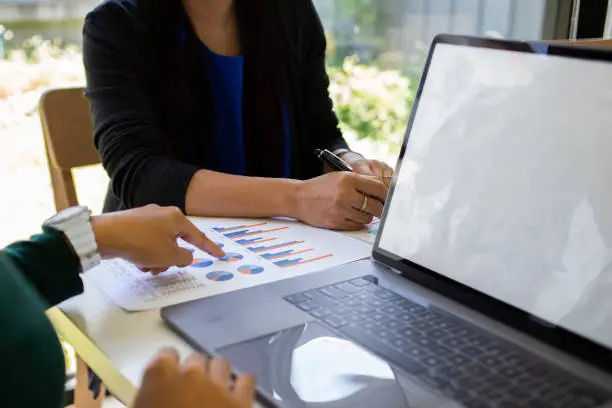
(257, 252)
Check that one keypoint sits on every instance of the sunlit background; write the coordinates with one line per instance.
(376, 51)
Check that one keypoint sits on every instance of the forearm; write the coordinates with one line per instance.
(108, 240)
(222, 195)
(140, 178)
(50, 265)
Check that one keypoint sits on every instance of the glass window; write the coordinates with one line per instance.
(40, 48)
(376, 52)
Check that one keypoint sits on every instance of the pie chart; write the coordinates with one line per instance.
(220, 276)
(220, 244)
(231, 257)
(250, 269)
(202, 263)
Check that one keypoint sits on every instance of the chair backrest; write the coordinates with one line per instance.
(68, 131)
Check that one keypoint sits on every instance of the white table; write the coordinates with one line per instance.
(116, 344)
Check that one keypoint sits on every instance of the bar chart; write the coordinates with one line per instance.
(256, 252)
(274, 243)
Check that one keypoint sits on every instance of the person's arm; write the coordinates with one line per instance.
(145, 236)
(50, 265)
(223, 195)
(195, 382)
(132, 150)
(130, 142)
(126, 131)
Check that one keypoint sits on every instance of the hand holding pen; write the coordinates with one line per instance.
(357, 165)
(377, 169)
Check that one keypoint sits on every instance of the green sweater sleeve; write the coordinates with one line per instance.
(34, 275)
(50, 265)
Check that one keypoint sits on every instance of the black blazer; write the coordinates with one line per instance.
(127, 107)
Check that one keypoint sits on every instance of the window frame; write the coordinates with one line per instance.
(590, 18)
(559, 19)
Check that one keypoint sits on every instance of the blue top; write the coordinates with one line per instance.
(226, 79)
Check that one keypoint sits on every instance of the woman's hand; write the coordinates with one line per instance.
(196, 383)
(339, 200)
(147, 237)
(366, 167)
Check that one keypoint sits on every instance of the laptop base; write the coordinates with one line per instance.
(331, 339)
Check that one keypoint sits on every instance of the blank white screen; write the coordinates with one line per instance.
(506, 183)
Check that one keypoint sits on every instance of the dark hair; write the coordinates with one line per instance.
(186, 90)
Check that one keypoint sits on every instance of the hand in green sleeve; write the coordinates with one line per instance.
(44, 271)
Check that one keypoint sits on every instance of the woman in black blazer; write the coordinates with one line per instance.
(217, 106)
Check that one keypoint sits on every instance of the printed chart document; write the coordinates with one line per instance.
(367, 233)
(257, 252)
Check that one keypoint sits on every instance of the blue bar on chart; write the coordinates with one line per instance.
(248, 241)
(242, 231)
(285, 263)
(221, 229)
(264, 248)
(274, 255)
(237, 229)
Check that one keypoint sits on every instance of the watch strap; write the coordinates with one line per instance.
(78, 230)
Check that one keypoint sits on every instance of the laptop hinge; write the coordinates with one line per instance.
(387, 267)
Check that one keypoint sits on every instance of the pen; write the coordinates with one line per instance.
(334, 162)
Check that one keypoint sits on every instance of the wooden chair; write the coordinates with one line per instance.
(68, 133)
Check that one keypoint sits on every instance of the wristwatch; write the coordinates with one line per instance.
(75, 223)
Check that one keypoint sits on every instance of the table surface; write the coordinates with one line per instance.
(115, 343)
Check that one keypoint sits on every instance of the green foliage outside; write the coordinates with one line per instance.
(35, 49)
(371, 103)
(373, 93)
(372, 99)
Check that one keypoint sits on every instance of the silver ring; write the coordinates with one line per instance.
(364, 206)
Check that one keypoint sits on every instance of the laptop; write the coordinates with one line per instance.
(490, 283)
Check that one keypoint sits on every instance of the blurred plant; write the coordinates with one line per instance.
(33, 66)
(364, 12)
(5, 35)
(35, 49)
(371, 103)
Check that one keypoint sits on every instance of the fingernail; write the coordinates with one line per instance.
(219, 254)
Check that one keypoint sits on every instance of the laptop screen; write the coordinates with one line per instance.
(506, 183)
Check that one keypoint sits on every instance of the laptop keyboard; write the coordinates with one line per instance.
(447, 354)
